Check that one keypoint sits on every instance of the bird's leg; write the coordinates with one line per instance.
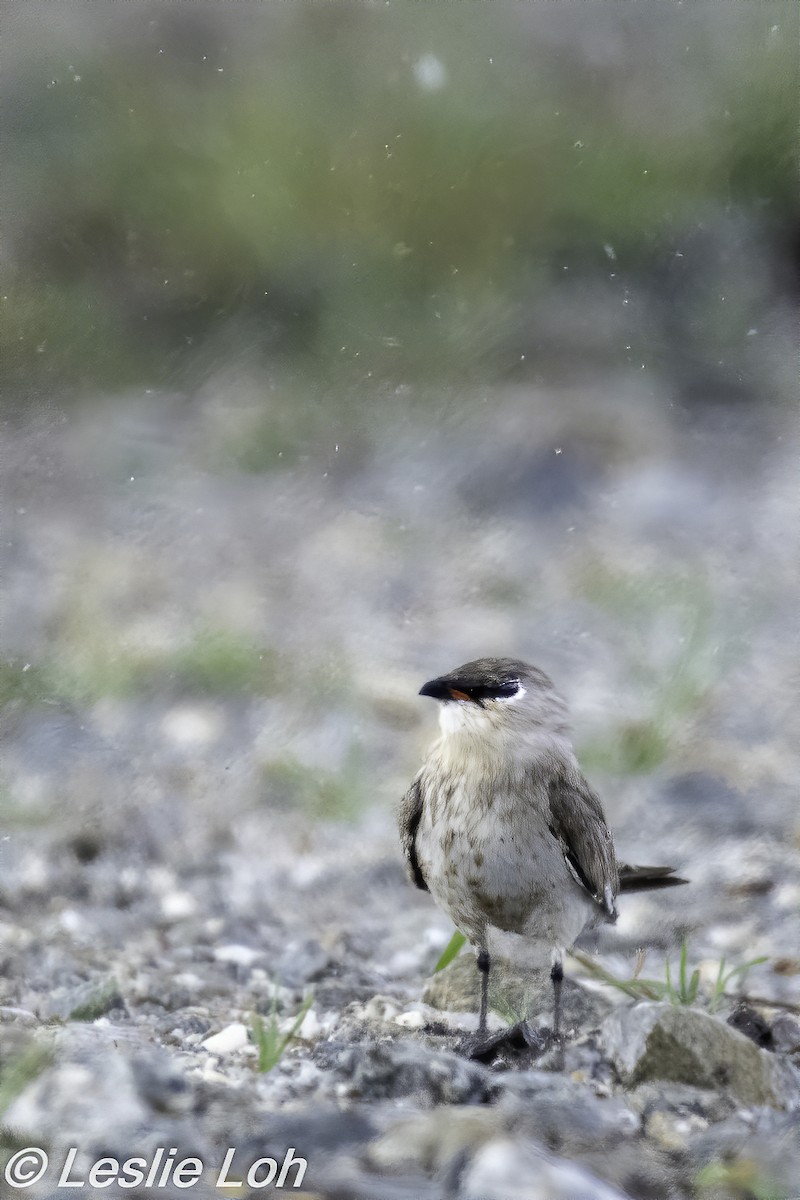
(538, 1040)
(482, 1044)
(484, 966)
(557, 976)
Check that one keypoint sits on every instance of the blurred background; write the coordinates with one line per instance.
(343, 343)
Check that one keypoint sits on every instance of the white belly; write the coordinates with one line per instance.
(490, 861)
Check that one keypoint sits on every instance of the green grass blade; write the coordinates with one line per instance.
(451, 951)
(719, 987)
(268, 1038)
(669, 990)
(683, 990)
(743, 969)
(639, 989)
(298, 1021)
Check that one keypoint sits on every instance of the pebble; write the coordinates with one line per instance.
(413, 1019)
(18, 1016)
(177, 906)
(233, 1037)
(240, 956)
(505, 1169)
(311, 1028)
(672, 1131)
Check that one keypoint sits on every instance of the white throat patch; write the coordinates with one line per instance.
(461, 716)
(464, 716)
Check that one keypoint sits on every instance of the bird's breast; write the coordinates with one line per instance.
(488, 850)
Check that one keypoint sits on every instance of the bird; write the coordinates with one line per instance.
(504, 831)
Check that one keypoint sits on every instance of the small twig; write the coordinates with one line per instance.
(638, 989)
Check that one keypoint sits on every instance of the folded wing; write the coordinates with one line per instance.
(578, 821)
(408, 820)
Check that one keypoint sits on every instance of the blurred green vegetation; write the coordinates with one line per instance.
(376, 191)
(21, 1062)
(668, 640)
(214, 662)
(739, 1179)
(332, 795)
(99, 998)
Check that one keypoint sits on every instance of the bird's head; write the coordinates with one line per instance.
(496, 696)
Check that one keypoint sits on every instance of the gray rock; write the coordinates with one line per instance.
(347, 1180)
(84, 1002)
(430, 1141)
(574, 1117)
(506, 1169)
(407, 1068)
(663, 1041)
(552, 1113)
(74, 1102)
(302, 962)
(322, 1131)
(10, 1015)
(682, 1100)
(162, 1084)
(786, 1035)
(757, 1148)
(330, 1140)
(752, 1024)
(563, 1113)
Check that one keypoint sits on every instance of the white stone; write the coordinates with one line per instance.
(177, 906)
(504, 1169)
(186, 979)
(241, 956)
(311, 1028)
(72, 921)
(411, 1020)
(233, 1037)
(380, 1008)
(191, 726)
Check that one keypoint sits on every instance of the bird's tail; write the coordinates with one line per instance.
(642, 879)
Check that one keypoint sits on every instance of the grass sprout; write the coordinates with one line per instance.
(685, 990)
(267, 1036)
(724, 978)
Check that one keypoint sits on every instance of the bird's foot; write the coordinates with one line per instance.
(546, 1047)
(539, 1040)
(483, 1047)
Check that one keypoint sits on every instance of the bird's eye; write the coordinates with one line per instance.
(507, 689)
(496, 691)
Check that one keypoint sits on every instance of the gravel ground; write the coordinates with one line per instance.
(179, 857)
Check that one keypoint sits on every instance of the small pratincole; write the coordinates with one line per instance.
(503, 830)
